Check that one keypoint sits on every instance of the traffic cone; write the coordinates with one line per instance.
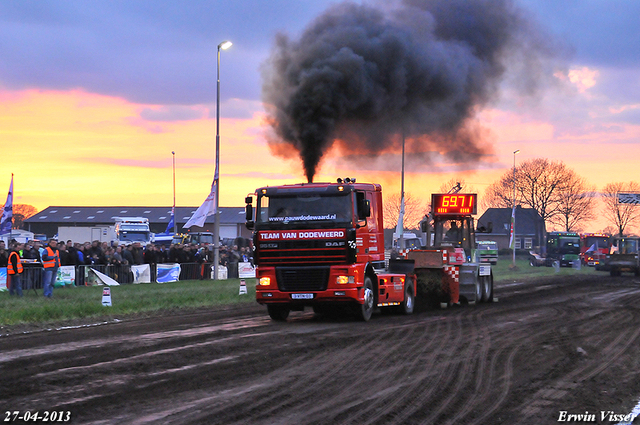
(243, 287)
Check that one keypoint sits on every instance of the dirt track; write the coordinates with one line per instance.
(552, 346)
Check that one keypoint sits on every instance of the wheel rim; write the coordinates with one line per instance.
(368, 298)
(409, 300)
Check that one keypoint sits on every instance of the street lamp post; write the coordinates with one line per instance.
(216, 178)
(173, 211)
(514, 206)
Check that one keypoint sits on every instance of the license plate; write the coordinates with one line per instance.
(302, 296)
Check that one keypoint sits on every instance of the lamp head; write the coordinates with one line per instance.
(225, 45)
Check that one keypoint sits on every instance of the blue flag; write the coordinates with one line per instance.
(171, 222)
(7, 214)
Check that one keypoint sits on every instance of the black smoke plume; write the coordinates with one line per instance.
(363, 76)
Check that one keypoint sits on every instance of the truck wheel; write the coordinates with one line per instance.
(409, 299)
(479, 286)
(365, 310)
(487, 289)
(279, 313)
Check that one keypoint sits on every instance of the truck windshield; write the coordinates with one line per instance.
(204, 239)
(126, 236)
(487, 246)
(304, 209)
(599, 242)
(563, 245)
(628, 246)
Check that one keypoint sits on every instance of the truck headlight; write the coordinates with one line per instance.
(342, 280)
(265, 281)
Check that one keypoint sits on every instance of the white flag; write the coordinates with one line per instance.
(206, 209)
(511, 233)
(106, 280)
(400, 225)
(7, 214)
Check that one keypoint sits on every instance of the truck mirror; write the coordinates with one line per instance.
(424, 226)
(248, 212)
(248, 200)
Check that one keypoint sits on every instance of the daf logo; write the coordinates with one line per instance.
(334, 244)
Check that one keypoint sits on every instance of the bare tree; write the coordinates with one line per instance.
(539, 184)
(500, 193)
(464, 187)
(620, 215)
(21, 212)
(414, 210)
(577, 202)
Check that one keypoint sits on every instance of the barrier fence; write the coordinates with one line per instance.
(33, 273)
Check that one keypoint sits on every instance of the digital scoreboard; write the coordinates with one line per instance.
(454, 203)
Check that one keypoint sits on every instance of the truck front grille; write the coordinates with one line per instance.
(294, 253)
(302, 279)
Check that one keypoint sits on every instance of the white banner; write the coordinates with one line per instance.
(3, 279)
(168, 273)
(66, 276)
(246, 270)
(222, 273)
(141, 273)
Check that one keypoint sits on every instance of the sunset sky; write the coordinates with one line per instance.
(95, 95)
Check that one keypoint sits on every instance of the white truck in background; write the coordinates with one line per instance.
(129, 230)
(81, 234)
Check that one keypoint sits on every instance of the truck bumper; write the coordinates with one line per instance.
(269, 290)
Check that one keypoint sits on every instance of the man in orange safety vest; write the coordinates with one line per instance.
(14, 269)
(51, 263)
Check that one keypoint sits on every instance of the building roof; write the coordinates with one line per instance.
(528, 221)
(105, 215)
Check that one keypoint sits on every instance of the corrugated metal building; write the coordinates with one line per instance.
(47, 221)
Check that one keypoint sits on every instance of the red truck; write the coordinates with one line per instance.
(322, 244)
(594, 247)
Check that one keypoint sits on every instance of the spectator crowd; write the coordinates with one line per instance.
(104, 254)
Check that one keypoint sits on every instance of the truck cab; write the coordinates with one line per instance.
(623, 256)
(318, 244)
(488, 252)
(130, 230)
(563, 247)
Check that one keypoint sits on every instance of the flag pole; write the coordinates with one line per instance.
(11, 218)
(401, 244)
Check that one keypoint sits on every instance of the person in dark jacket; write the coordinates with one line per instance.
(65, 257)
(136, 251)
(150, 254)
(128, 255)
(4, 257)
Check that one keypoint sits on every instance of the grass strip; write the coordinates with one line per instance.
(85, 302)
